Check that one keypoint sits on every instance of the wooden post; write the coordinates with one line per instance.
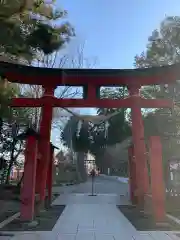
(139, 145)
(28, 187)
(132, 176)
(157, 183)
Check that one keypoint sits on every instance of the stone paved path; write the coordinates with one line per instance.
(102, 186)
(97, 218)
(94, 218)
(93, 222)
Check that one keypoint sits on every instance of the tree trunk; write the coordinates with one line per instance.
(1, 124)
(11, 162)
(19, 183)
(81, 167)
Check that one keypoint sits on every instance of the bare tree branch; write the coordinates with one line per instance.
(57, 60)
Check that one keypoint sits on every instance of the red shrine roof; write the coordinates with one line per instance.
(79, 77)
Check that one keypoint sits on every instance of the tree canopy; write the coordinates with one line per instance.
(163, 48)
(29, 26)
(29, 29)
(92, 137)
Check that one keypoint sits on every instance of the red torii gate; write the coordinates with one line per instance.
(92, 80)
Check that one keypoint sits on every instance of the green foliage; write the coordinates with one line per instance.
(8, 114)
(93, 137)
(7, 91)
(12, 123)
(119, 128)
(70, 138)
(10, 147)
(112, 93)
(82, 142)
(163, 48)
(28, 26)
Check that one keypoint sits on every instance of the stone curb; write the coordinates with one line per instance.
(120, 179)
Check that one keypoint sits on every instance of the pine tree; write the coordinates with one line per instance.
(29, 26)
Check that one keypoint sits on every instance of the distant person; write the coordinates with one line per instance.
(93, 173)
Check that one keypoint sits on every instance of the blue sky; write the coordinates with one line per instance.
(115, 31)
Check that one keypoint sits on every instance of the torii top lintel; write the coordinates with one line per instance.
(80, 77)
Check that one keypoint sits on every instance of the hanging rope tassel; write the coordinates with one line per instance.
(79, 126)
(106, 125)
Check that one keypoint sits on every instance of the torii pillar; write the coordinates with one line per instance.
(44, 146)
(49, 181)
(132, 175)
(29, 179)
(139, 144)
(38, 171)
(157, 179)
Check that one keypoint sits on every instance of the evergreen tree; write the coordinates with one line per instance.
(29, 26)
